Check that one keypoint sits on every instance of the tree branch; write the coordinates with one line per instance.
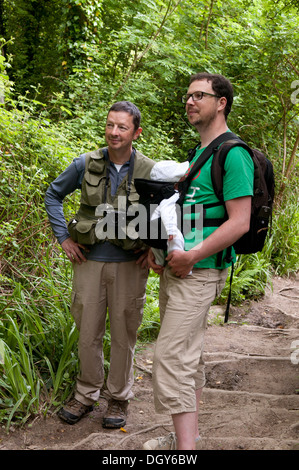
(290, 166)
(292, 65)
(138, 58)
(208, 23)
(292, 157)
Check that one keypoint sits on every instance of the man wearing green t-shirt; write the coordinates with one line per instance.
(185, 299)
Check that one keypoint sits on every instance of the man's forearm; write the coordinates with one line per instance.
(225, 235)
(66, 183)
(56, 217)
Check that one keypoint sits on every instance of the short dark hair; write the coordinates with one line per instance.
(129, 108)
(220, 85)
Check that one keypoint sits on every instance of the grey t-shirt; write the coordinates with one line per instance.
(67, 182)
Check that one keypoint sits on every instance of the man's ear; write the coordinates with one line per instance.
(137, 133)
(222, 102)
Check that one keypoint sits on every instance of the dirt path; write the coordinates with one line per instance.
(251, 401)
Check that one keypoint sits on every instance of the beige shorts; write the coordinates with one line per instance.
(178, 368)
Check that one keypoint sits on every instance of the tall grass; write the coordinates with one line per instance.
(280, 255)
(149, 329)
(282, 247)
(38, 337)
(252, 274)
(38, 341)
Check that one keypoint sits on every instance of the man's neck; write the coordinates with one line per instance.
(119, 157)
(208, 135)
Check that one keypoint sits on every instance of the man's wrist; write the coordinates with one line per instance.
(195, 254)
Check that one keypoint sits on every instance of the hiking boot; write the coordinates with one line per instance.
(116, 414)
(74, 411)
(161, 443)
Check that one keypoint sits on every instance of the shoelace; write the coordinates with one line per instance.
(75, 405)
(116, 407)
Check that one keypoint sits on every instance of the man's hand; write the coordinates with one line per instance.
(181, 262)
(143, 258)
(157, 268)
(72, 250)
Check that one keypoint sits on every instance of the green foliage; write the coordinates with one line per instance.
(39, 338)
(282, 248)
(252, 274)
(144, 51)
(150, 326)
(31, 156)
(47, 38)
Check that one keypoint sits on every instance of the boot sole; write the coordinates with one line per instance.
(111, 425)
(69, 418)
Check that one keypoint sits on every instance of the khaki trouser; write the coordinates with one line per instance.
(120, 288)
(178, 368)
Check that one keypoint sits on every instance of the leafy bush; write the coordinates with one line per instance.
(252, 274)
(282, 248)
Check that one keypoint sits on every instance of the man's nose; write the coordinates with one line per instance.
(114, 130)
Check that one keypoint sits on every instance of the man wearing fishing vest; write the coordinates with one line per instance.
(110, 268)
(178, 366)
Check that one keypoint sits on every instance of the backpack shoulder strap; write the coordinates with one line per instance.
(208, 151)
(217, 168)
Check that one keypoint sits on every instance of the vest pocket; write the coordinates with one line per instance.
(82, 231)
(93, 189)
(133, 196)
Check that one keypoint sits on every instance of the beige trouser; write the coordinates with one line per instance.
(178, 368)
(120, 288)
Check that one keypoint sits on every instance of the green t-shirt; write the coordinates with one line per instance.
(237, 182)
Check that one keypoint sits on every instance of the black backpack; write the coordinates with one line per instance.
(152, 192)
(263, 197)
(261, 204)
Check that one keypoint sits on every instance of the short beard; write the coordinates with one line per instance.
(205, 124)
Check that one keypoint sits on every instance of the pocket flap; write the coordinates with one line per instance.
(92, 179)
(133, 196)
(84, 226)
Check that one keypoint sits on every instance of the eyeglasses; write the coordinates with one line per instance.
(196, 96)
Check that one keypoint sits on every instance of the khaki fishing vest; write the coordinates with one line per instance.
(89, 226)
